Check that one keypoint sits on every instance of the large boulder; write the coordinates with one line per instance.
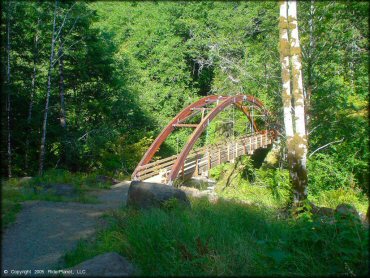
(147, 195)
(346, 211)
(106, 265)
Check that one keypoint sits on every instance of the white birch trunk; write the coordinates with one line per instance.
(310, 68)
(44, 126)
(285, 71)
(63, 121)
(33, 91)
(299, 143)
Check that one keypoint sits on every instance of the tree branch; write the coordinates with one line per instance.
(60, 56)
(64, 21)
(74, 23)
(313, 129)
(326, 145)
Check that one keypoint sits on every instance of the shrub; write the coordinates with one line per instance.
(333, 198)
(325, 173)
(241, 181)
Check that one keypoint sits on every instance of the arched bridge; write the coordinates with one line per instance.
(195, 162)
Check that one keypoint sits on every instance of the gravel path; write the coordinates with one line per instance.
(44, 231)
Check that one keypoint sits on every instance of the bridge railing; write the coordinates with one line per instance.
(199, 161)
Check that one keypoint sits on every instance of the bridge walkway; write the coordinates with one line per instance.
(199, 161)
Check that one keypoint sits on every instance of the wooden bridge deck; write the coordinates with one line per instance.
(199, 161)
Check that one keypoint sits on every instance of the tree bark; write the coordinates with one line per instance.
(33, 91)
(286, 96)
(351, 59)
(8, 101)
(44, 126)
(310, 67)
(297, 148)
(63, 120)
(285, 70)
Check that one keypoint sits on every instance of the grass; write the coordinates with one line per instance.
(17, 190)
(230, 238)
(226, 239)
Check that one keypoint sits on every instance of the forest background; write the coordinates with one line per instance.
(120, 71)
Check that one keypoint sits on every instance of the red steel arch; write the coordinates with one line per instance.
(238, 99)
(222, 102)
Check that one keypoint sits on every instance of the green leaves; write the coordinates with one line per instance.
(131, 67)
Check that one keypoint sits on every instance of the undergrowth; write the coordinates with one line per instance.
(268, 186)
(227, 238)
(232, 238)
(242, 182)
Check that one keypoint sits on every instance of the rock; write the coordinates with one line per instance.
(245, 202)
(196, 193)
(106, 179)
(213, 198)
(322, 211)
(106, 265)
(347, 211)
(363, 217)
(66, 190)
(193, 192)
(147, 195)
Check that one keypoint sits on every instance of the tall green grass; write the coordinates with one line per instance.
(227, 238)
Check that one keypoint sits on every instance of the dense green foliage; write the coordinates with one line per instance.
(269, 186)
(129, 67)
(230, 239)
(99, 107)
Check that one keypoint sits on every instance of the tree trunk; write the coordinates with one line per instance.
(285, 76)
(285, 70)
(63, 120)
(351, 60)
(297, 148)
(33, 91)
(44, 126)
(310, 67)
(8, 101)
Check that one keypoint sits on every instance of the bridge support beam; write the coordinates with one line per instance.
(179, 121)
(204, 124)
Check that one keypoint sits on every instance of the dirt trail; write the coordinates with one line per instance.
(44, 231)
